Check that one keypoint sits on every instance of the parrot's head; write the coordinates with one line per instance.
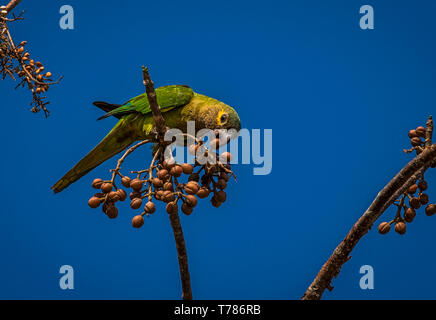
(217, 115)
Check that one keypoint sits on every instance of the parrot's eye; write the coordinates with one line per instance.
(224, 118)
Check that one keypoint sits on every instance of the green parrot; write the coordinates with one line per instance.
(179, 104)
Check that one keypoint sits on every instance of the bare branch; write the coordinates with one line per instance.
(387, 196)
(174, 216)
(11, 5)
(182, 256)
(154, 106)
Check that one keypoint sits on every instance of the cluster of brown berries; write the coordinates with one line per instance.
(16, 62)
(416, 136)
(406, 214)
(107, 196)
(163, 182)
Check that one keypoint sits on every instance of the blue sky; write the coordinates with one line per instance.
(339, 100)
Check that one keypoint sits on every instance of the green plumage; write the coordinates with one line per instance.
(179, 104)
(167, 97)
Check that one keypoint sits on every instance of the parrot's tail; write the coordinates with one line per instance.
(120, 137)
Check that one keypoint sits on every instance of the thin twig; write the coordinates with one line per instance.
(429, 132)
(121, 160)
(387, 196)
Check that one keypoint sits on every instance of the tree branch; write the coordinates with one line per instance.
(154, 106)
(11, 5)
(174, 216)
(182, 255)
(17, 63)
(387, 196)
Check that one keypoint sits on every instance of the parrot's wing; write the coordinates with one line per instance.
(168, 97)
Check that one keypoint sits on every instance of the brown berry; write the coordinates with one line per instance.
(136, 184)
(106, 187)
(203, 193)
(415, 141)
(384, 228)
(168, 163)
(221, 196)
(415, 203)
(114, 196)
(112, 212)
(423, 198)
(400, 227)
(191, 187)
(226, 157)
(430, 210)
(168, 196)
(134, 195)
(122, 194)
(150, 207)
(191, 200)
(94, 202)
(168, 186)
(176, 171)
(172, 207)
(409, 215)
(412, 134)
(422, 185)
(224, 176)
(215, 202)
(412, 189)
(221, 184)
(420, 132)
(96, 184)
(126, 181)
(138, 222)
(106, 205)
(187, 209)
(136, 203)
(159, 195)
(163, 174)
(157, 182)
(187, 168)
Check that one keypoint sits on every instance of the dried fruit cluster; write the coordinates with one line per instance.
(162, 181)
(16, 62)
(416, 136)
(407, 213)
(415, 193)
